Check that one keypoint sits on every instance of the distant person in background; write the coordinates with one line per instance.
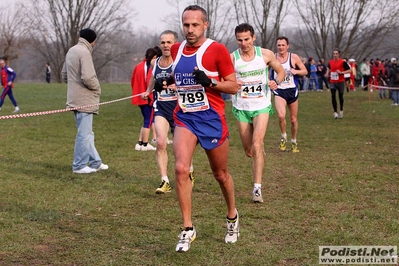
(393, 77)
(366, 71)
(352, 80)
(382, 82)
(139, 82)
(375, 69)
(347, 77)
(388, 66)
(7, 81)
(300, 78)
(306, 78)
(48, 72)
(314, 82)
(83, 90)
(379, 76)
(321, 72)
(336, 70)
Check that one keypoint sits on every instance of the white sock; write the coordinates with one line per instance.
(165, 178)
(17, 108)
(293, 140)
(191, 168)
(257, 186)
(284, 135)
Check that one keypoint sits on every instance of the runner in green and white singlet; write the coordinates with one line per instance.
(252, 103)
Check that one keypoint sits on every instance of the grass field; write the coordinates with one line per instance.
(341, 189)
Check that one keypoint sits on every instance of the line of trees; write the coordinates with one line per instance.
(33, 32)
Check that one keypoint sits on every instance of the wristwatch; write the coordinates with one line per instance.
(214, 82)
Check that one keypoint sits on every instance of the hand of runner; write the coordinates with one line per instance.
(201, 77)
(272, 84)
(144, 95)
(160, 85)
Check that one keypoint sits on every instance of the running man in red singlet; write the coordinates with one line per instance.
(336, 70)
(202, 71)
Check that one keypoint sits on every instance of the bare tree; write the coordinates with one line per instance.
(122, 52)
(55, 33)
(10, 33)
(266, 16)
(175, 18)
(356, 27)
(219, 18)
(219, 29)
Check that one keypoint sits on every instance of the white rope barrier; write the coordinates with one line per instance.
(64, 110)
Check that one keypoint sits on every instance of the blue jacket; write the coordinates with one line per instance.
(7, 75)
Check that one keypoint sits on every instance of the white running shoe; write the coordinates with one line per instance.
(233, 230)
(102, 167)
(341, 114)
(336, 115)
(149, 147)
(85, 170)
(185, 238)
(137, 147)
(257, 196)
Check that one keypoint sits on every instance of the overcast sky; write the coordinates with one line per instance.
(150, 13)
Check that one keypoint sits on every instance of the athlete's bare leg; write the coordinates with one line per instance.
(184, 143)
(218, 161)
(293, 108)
(161, 154)
(252, 136)
(154, 133)
(144, 134)
(280, 105)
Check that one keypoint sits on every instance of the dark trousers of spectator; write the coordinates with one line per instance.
(300, 83)
(322, 79)
(366, 81)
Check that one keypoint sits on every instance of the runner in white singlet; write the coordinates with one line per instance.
(287, 92)
(252, 103)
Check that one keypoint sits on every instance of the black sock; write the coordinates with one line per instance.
(232, 219)
(145, 144)
(140, 142)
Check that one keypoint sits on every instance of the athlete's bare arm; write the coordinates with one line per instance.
(272, 62)
(149, 88)
(228, 84)
(300, 68)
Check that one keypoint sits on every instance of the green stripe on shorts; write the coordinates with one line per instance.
(248, 116)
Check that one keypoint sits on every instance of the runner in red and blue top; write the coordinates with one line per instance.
(196, 102)
(202, 70)
(7, 81)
